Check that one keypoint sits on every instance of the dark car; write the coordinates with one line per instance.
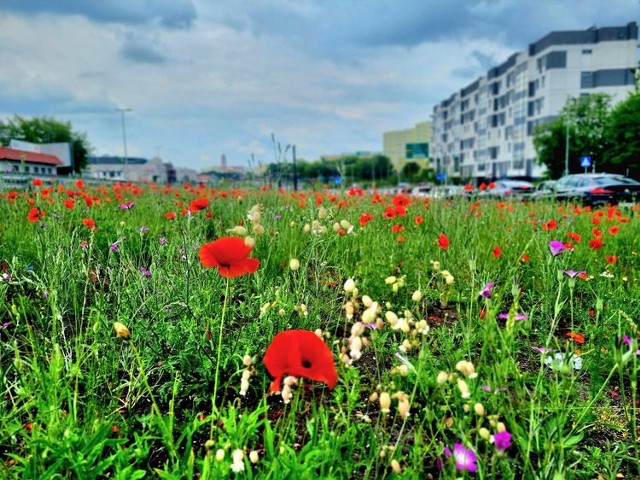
(597, 189)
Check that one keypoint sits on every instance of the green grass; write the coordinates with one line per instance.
(80, 402)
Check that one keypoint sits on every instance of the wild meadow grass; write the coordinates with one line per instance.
(471, 338)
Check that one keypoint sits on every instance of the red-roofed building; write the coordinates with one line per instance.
(23, 161)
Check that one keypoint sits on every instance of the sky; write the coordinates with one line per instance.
(207, 77)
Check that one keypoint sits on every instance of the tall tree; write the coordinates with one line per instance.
(623, 132)
(46, 130)
(550, 141)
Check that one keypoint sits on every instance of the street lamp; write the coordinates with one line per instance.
(124, 131)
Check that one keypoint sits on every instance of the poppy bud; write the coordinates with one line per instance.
(294, 264)
(385, 402)
(442, 378)
(479, 409)
(254, 457)
(464, 388)
(395, 466)
(121, 330)
(219, 453)
(484, 433)
(417, 296)
(349, 285)
(367, 301)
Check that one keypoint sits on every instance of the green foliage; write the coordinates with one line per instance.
(47, 130)
(623, 134)
(78, 402)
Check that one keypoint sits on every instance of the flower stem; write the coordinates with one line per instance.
(219, 352)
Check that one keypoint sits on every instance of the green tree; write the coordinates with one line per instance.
(410, 171)
(623, 133)
(582, 123)
(46, 130)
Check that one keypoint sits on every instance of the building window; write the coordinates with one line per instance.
(587, 51)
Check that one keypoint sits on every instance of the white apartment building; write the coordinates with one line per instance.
(485, 129)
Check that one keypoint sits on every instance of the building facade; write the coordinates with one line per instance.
(408, 145)
(138, 170)
(485, 130)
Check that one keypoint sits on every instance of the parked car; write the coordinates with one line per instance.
(510, 189)
(597, 189)
(545, 190)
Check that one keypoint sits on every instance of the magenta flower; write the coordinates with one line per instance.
(162, 240)
(573, 273)
(465, 458)
(518, 316)
(629, 342)
(145, 271)
(114, 247)
(127, 205)
(502, 441)
(555, 247)
(486, 292)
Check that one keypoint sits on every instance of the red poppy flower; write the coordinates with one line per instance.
(69, 204)
(468, 187)
(550, 225)
(35, 215)
(230, 256)
(418, 220)
(397, 228)
(365, 218)
(576, 237)
(525, 258)
(443, 241)
(198, 204)
(613, 230)
(170, 215)
(79, 184)
(576, 337)
(611, 259)
(497, 251)
(89, 223)
(300, 353)
(595, 244)
(36, 182)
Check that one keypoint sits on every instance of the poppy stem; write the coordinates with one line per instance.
(219, 352)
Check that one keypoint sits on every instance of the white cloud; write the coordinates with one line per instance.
(327, 76)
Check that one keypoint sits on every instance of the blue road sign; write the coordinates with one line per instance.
(585, 162)
(441, 177)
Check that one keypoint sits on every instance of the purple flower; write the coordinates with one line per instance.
(4, 325)
(555, 247)
(144, 229)
(542, 349)
(84, 244)
(573, 273)
(502, 441)
(6, 276)
(629, 342)
(465, 458)
(486, 292)
(144, 271)
(162, 240)
(114, 248)
(127, 205)
(518, 316)
(487, 388)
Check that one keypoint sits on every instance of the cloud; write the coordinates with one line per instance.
(167, 13)
(326, 75)
(141, 48)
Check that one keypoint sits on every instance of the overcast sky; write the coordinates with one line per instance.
(206, 77)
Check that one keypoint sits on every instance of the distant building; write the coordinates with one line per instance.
(408, 145)
(26, 162)
(359, 153)
(137, 169)
(484, 130)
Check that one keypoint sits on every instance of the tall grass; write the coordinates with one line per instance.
(81, 402)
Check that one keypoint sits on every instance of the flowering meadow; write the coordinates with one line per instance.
(151, 331)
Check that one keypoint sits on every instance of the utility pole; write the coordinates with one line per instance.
(566, 148)
(295, 171)
(124, 131)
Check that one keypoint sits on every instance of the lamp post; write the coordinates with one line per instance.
(124, 130)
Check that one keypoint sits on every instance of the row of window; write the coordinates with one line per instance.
(34, 169)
